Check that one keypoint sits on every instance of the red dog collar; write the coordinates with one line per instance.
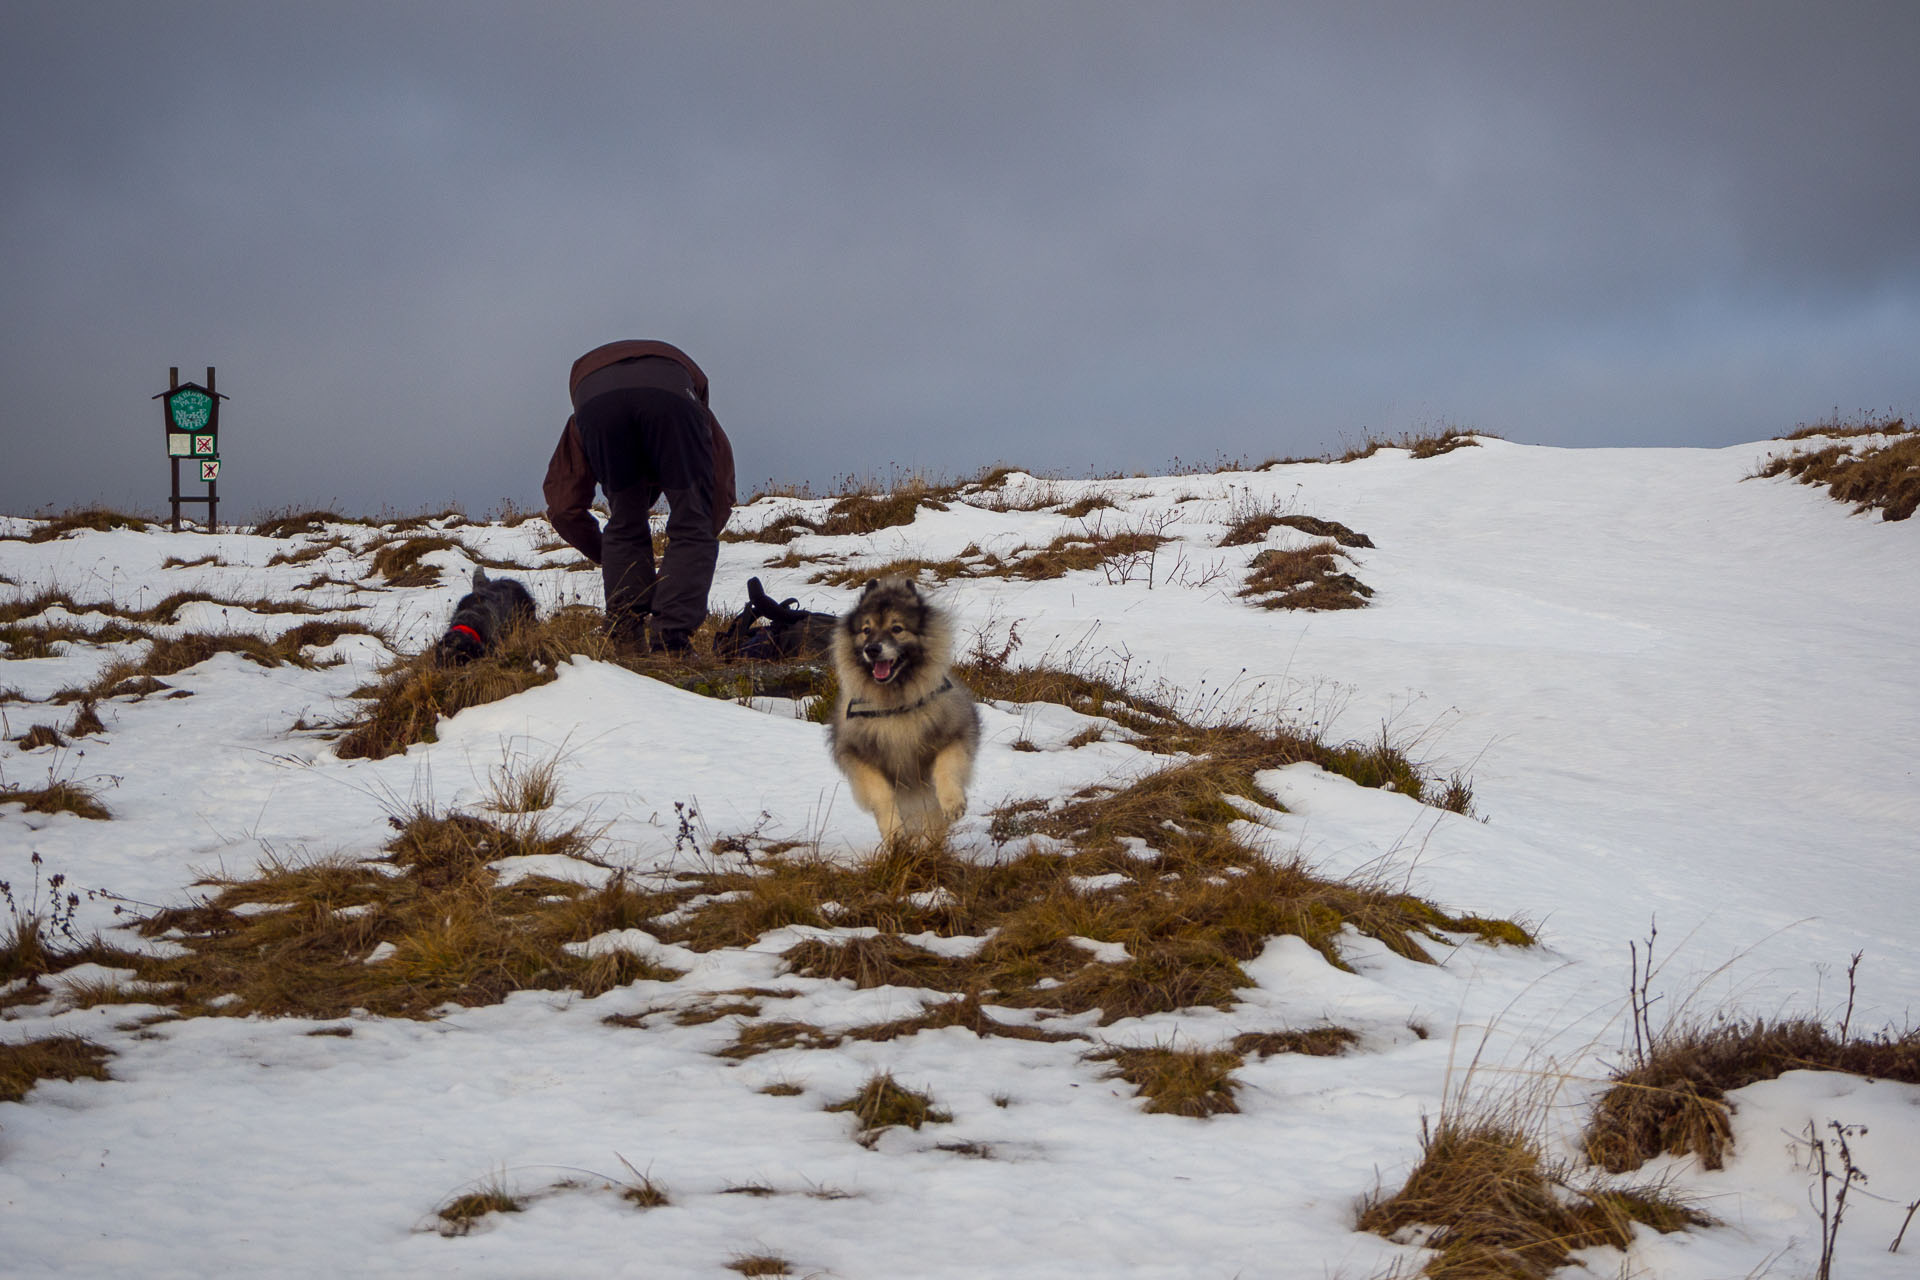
(461, 626)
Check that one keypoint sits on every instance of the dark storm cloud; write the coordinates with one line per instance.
(1072, 236)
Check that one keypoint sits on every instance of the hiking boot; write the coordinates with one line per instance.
(627, 637)
(672, 643)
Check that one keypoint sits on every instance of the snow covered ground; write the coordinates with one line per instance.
(1682, 696)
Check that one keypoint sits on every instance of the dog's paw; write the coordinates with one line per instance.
(953, 808)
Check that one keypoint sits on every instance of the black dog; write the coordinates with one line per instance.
(482, 617)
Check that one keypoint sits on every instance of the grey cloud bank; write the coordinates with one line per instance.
(1070, 236)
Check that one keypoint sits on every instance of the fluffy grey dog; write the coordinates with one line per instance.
(904, 730)
(485, 612)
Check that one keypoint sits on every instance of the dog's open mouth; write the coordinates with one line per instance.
(883, 670)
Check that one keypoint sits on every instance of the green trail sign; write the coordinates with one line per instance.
(193, 432)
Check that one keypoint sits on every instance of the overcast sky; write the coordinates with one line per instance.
(1074, 237)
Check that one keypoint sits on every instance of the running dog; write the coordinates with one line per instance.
(904, 731)
(481, 618)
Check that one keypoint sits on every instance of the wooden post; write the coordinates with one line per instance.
(213, 486)
(173, 384)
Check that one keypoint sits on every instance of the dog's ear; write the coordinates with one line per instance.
(873, 584)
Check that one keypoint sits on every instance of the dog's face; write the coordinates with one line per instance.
(885, 631)
(458, 647)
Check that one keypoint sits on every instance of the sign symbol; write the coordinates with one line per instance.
(210, 469)
(203, 445)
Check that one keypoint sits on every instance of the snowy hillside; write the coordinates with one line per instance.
(1685, 700)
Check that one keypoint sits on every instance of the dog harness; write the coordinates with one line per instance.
(853, 711)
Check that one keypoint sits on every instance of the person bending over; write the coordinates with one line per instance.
(641, 429)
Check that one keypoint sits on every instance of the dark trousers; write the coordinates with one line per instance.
(643, 442)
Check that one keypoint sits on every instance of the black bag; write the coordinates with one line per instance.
(792, 634)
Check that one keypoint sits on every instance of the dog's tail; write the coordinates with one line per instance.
(480, 578)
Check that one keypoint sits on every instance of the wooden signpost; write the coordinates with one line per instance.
(193, 434)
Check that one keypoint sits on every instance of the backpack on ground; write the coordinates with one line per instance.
(791, 634)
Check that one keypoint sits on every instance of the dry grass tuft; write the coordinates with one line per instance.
(1497, 1211)
(1307, 577)
(528, 786)
(863, 510)
(99, 519)
(915, 567)
(87, 721)
(883, 1104)
(397, 560)
(1315, 1042)
(40, 735)
(1674, 1101)
(172, 656)
(757, 1038)
(458, 1215)
(63, 1057)
(414, 694)
(411, 696)
(645, 1192)
(1088, 505)
(1885, 476)
(1254, 529)
(863, 514)
(1095, 548)
(286, 524)
(967, 1012)
(1429, 444)
(760, 1264)
(1839, 428)
(323, 938)
(57, 797)
(1179, 1082)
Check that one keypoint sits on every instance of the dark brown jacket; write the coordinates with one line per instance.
(569, 484)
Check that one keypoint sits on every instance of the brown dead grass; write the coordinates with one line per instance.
(757, 1038)
(1314, 1042)
(1675, 1101)
(397, 561)
(40, 735)
(1071, 552)
(862, 511)
(95, 518)
(1428, 444)
(914, 568)
(1307, 577)
(406, 705)
(458, 1215)
(57, 797)
(1181, 1082)
(285, 524)
(1885, 477)
(295, 939)
(1067, 553)
(1188, 916)
(1253, 528)
(1839, 428)
(62, 1057)
(883, 1103)
(1498, 1211)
